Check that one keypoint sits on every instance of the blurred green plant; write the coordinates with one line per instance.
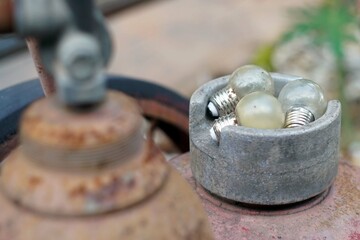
(332, 24)
(263, 57)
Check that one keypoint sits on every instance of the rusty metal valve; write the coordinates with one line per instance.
(91, 174)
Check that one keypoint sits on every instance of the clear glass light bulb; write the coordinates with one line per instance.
(251, 78)
(303, 101)
(244, 80)
(260, 110)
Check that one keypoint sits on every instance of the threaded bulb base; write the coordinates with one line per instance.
(220, 123)
(224, 101)
(297, 117)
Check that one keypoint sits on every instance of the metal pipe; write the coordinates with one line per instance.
(6, 16)
(47, 81)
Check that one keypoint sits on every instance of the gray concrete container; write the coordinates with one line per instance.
(264, 167)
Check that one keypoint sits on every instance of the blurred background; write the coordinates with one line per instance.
(181, 44)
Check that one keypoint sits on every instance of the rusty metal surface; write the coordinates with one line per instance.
(173, 122)
(7, 146)
(168, 109)
(137, 196)
(166, 113)
(177, 124)
(106, 144)
(55, 126)
(69, 193)
(6, 16)
(47, 81)
(333, 216)
(173, 212)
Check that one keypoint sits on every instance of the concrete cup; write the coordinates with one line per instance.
(264, 166)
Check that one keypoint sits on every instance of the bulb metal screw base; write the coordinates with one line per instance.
(297, 117)
(223, 102)
(220, 123)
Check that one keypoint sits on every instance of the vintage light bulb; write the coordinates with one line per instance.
(255, 110)
(244, 80)
(220, 123)
(260, 110)
(303, 101)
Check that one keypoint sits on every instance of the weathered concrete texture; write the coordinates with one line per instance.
(265, 167)
(333, 216)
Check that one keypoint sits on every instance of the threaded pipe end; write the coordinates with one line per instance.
(297, 117)
(64, 138)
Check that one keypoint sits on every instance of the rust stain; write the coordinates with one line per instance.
(165, 113)
(129, 180)
(89, 129)
(153, 152)
(170, 115)
(354, 236)
(135, 221)
(336, 216)
(34, 181)
(78, 191)
(106, 192)
(142, 187)
(346, 202)
(7, 146)
(97, 182)
(101, 190)
(47, 81)
(6, 16)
